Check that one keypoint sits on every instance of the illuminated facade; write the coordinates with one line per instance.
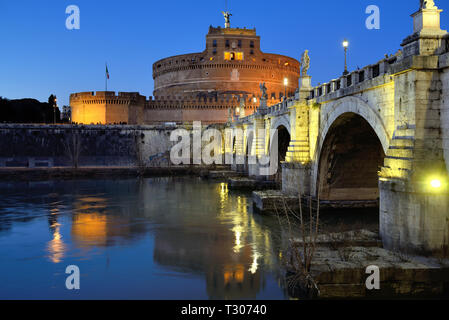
(206, 86)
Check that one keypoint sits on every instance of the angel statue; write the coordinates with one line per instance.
(305, 63)
(227, 17)
(427, 4)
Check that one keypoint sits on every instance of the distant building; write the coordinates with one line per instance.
(198, 86)
(66, 114)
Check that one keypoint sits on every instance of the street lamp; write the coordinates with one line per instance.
(285, 86)
(54, 110)
(346, 45)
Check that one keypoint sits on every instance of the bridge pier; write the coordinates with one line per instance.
(413, 220)
(296, 178)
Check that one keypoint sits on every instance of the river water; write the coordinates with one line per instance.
(155, 238)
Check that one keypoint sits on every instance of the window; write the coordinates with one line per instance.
(227, 43)
(215, 51)
(349, 81)
(240, 43)
(231, 56)
(251, 52)
(214, 44)
(251, 44)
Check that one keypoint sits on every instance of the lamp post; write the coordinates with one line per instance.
(285, 86)
(54, 110)
(346, 45)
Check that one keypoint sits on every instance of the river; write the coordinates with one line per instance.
(152, 238)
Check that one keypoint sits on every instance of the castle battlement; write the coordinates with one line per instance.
(225, 102)
(103, 94)
(232, 31)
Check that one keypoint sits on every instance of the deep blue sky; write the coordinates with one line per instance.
(39, 56)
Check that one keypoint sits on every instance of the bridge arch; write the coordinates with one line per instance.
(334, 116)
(284, 121)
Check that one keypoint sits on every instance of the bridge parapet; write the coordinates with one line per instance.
(370, 76)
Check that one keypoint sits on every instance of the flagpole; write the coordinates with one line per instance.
(106, 78)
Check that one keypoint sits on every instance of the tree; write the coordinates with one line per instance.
(52, 100)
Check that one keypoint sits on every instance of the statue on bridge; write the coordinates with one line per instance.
(263, 90)
(305, 63)
(427, 4)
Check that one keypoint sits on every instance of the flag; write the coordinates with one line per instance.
(107, 72)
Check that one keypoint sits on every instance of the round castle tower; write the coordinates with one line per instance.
(198, 86)
(105, 107)
(231, 64)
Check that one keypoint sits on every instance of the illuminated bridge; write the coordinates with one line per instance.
(379, 134)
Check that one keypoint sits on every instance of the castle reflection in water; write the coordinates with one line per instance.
(199, 228)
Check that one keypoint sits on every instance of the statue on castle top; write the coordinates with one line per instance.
(263, 90)
(227, 17)
(305, 63)
(427, 4)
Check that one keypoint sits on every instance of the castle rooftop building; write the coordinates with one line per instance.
(200, 86)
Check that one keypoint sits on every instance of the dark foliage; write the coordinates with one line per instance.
(26, 111)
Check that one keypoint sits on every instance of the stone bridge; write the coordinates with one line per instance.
(375, 136)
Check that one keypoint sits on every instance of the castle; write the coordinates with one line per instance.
(209, 86)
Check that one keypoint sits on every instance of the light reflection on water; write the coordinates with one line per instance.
(157, 238)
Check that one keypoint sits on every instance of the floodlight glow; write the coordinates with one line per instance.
(435, 183)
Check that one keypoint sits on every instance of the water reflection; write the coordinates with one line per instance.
(199, 229)
(56, 246)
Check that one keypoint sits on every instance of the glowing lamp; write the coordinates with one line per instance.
(285, 81)
(435, 183)
(345, 43)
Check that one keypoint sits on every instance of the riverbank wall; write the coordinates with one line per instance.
(47, 146)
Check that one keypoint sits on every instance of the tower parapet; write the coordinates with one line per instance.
(107, 107)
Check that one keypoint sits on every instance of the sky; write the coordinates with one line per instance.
(39, 56)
